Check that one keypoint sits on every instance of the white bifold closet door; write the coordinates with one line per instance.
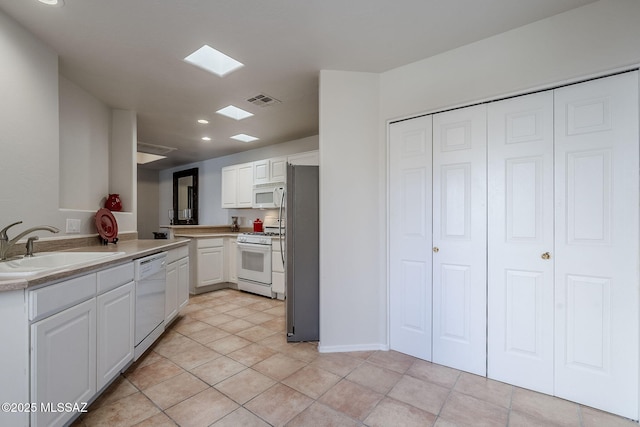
(520, 241)
(459, 239)
(410, 237)
(596, 243)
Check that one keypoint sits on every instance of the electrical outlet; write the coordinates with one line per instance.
(73, 225)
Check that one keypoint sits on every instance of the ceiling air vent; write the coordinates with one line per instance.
(262, 100)
(154, 149)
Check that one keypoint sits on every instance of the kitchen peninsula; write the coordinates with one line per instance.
(212, 254)
(69, 332)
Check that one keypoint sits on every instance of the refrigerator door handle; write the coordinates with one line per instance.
(280, 228)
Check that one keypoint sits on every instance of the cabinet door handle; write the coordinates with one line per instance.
(436, 249)
(545, 255)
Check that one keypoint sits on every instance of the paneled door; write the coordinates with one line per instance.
(460, 239)
(520, 241)
(596, 243)
(410, 236)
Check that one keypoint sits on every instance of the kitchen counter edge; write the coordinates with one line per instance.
(132, 249)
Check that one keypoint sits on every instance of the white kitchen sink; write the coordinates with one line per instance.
(49, 261)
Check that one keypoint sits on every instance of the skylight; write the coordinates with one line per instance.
(214, 61)
(234, 112)
(244, 138)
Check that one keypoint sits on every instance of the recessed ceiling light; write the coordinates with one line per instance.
(244, 138)
(213, 61)
(203, 121)
(206, 138)
(143, 158)
(234, 112)
(58, 3)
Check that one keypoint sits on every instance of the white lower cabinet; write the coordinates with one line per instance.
(232, 255)
(177, 291)
(183, 283)
(63, 362)
(65, 342)
(277, 269)
(116, 311)
(560, 293)
(171, 293)
(82, 337)
(209, 264)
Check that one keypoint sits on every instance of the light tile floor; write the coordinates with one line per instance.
(226, 362)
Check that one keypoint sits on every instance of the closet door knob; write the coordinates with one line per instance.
(436, 249)
(546, 255)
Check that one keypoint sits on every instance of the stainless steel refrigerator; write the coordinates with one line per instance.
(302, 254)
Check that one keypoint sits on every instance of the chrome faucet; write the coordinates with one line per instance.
(6, 244)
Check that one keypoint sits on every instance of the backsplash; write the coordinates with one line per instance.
(64, 243)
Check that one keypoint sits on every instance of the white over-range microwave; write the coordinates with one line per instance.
(266, 196)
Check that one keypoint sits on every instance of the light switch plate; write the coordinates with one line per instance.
(73, 225)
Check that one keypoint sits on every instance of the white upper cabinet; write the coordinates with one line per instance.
(270, 170)
(229, 186)
(278, 169)
(308, 158)
(238, 180)
(261, 171)
(237, 185)
(244, 189)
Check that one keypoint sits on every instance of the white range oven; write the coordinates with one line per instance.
(254, 263)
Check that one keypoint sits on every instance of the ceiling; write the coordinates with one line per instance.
(128, 53)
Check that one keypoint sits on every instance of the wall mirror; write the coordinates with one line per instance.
(185, 197)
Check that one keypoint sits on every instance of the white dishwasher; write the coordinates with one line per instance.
(151, 282)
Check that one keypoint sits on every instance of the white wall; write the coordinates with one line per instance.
(28, 128)
(148, 196)
(210, 183)
(350, 283)
(123, 169)
(54, 141)
(84, 146)
(595, 38)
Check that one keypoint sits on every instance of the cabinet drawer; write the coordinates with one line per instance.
(113, 277)
(55, 298)
(178, 253)
(209, 243)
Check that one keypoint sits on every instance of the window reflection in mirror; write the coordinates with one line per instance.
(185, 196)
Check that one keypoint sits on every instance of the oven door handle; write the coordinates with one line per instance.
(255, 247)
